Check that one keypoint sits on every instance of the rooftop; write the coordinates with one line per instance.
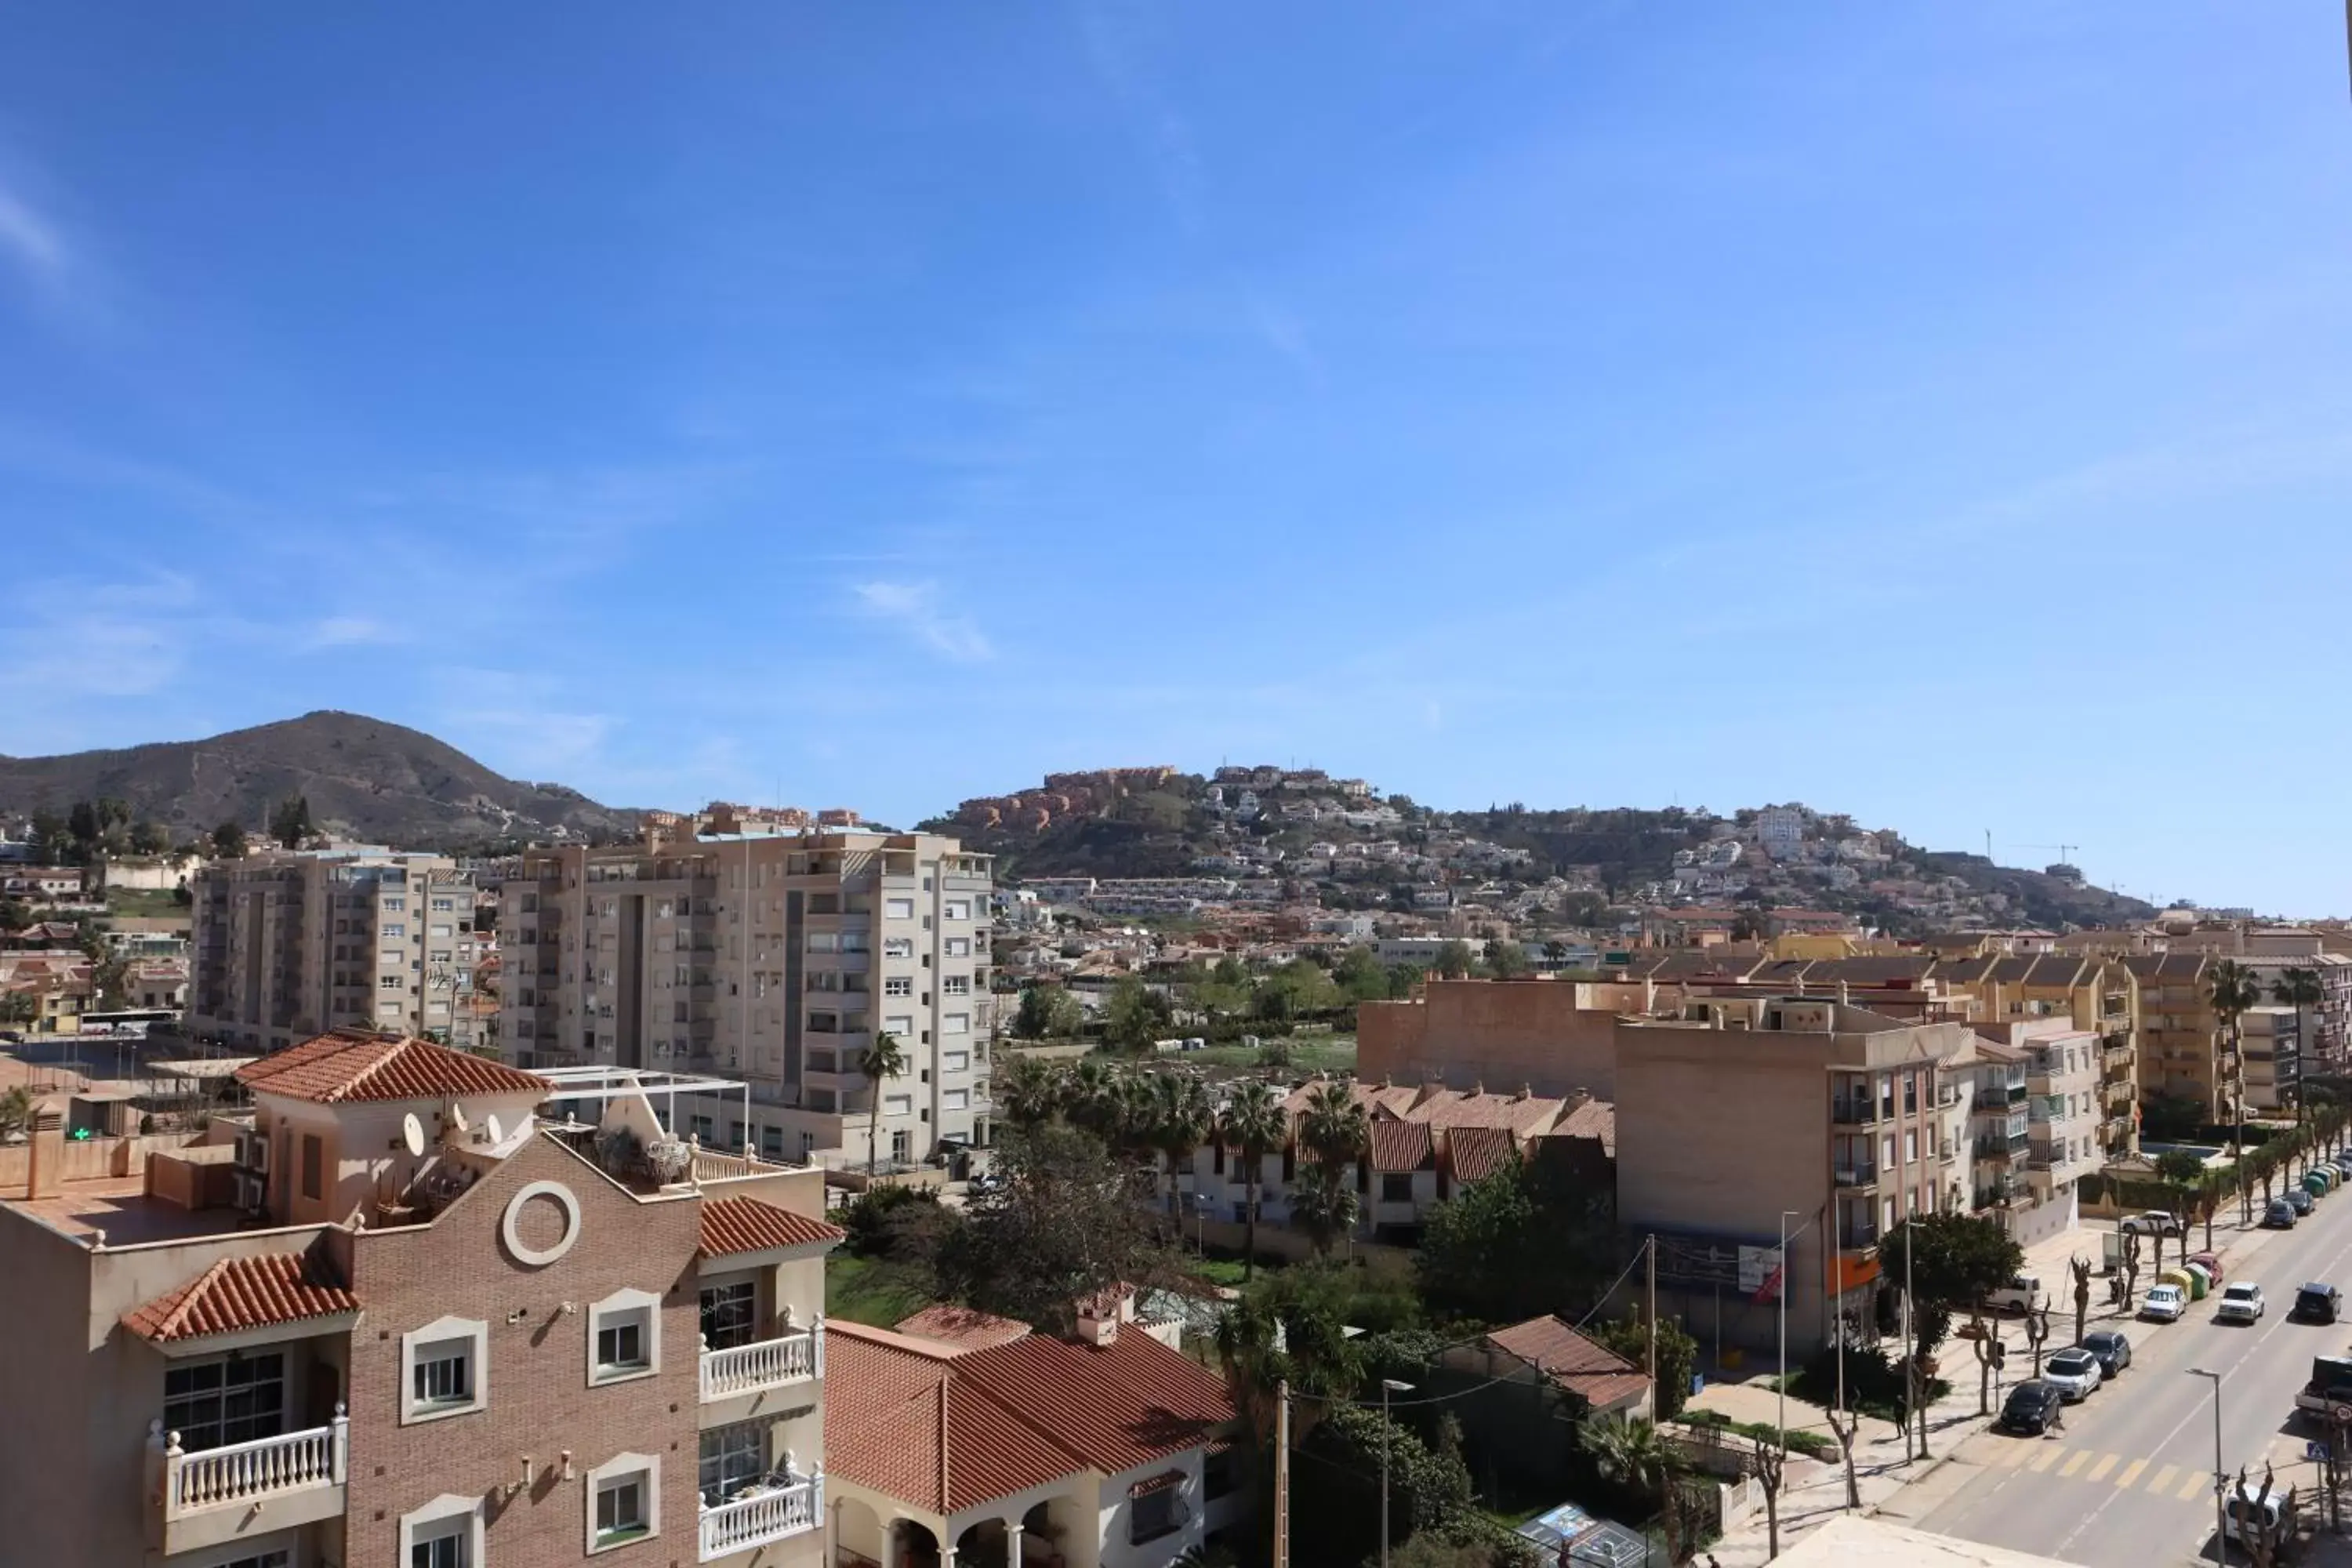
(239, 1293)
(346, 1065)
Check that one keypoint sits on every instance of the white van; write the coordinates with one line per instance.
(2023, 1294)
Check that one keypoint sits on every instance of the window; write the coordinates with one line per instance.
(955, 1024)
(824, 941)
(734, 1458)
(959, 947)
(899, 908)
(956, 1100)
(901, 1146)
(1154, 1515)
(957, 909)
(897, 947)
(898, 1105)
(955, 1061)
(624, 1500)
(445, 1533)
(445, 929)
(730, 1314)
(702, 1128)
(900, 1024)
(772, 1143)
(444, 1549)
(395, 906)
(955, 984)
(445, 906)
(899, 985)
(313, 1157)
(445, 1369)
(1396, 1187)
(393, 928)
(388, 982)
(214, 1404)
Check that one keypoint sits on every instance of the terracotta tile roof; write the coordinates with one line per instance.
(1524, 1114)
(746, 1225)
(1594, 1118)
(900, 1419)
(962, 1328)
(348, 1065)
(239, 1293)
(1403, 1146)
(1117, 1405)
(1602, 1378)
(1477, 1152)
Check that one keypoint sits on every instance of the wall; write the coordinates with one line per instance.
(44, 1365)
(539, 1402)
(1547, 1034)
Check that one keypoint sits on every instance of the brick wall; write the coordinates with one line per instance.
(1500, 1033)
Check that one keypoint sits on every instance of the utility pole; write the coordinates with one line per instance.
(1388, 1385)
(1282, 1474)
(1652, 1248)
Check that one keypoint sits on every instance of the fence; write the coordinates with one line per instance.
(90, 1159)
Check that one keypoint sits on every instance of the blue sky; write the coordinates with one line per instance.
(1933, 413)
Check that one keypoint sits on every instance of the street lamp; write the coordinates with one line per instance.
(1388, 1385)
(1782, 1382)
(2220, 1476)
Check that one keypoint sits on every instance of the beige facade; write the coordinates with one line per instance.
(771, 958)
(287, 945)
(1556, 1036)
(2184, 1051)
(2092, 991)
(1840, 1119)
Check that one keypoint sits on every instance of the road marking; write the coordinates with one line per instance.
(2076, 1461)
(2013, 1454)
(2195, 1486)
(2163, 1481)
(2047, 1457)
(2106, 1462)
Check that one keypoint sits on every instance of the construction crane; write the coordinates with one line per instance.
(2065, 853)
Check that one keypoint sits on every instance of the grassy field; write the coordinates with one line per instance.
(867, 1293)
(141, 904)
(1307, 1054)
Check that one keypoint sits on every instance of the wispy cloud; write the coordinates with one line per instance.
(352, 631)
(1114, 33)
(31, 239)
(916, 609)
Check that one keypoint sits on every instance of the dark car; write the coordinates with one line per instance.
(2112, 1350)
(2032, 1408)
(2279, 1216)
(2317, 1303)
(2297, 1199)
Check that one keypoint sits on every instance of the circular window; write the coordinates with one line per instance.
(542, 1223)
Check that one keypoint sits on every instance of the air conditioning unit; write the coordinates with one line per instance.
(253, 1152)
(252, 1192)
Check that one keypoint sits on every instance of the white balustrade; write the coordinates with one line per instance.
(766, 1363)
(249, 1472)
(763, 1517)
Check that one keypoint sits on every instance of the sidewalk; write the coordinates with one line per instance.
(1815, 1492)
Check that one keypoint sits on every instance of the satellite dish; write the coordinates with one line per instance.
(491, 1125)
(457, 1117)
(412, 1134)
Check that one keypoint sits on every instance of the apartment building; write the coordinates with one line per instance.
(2092, 991)
(2273, 1064)
(770, 958)
(1753, 1113)
(2184, 1051)
(399, 1321)
(285, 946)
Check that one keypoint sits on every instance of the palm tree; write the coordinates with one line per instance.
(1030, 1089)
(1637, 1456)
(1333, 1132)
(880, 1060)
(1251, 1125)
(16, 1109)
(2299, 989)
(1179, 1118)
(2231, 988)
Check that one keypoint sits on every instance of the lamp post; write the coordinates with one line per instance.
(2220, 1476)
(1780, 1417)
(1388, 1385)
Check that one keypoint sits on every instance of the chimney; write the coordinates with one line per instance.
(47, 1158)
(1579, 1098)
(1098, 1318)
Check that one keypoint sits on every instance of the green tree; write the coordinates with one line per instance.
(880, 1060)
(16, 914)
(1629, 1336)
(83, 823)
(1334, 1132)
(19, 1009)
(2181, 1172)
(1251, 1126)
(1454, 960)
(1182, 1118)
(1402, 978)
(17, 1108)
(1029, 1090)
(1295, 1333)
(1135, 1015)
(2299, 989)
(229, 841)
(53, 838)
(1047, 1013)
(1361, 976)
(1517, 1243)
(1062, 1224)
(1430, 1493)
(1638, 1457)
(1507, 957)
(149, 837)
(289, 821)
(1961, 1260)
(2233, 989)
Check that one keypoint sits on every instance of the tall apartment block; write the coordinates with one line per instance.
(287, 945)
(400, 1319)
(770, 957)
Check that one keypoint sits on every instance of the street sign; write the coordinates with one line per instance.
(2316, 1452)
(2339, 1414)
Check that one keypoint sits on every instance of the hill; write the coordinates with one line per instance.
(366, 779)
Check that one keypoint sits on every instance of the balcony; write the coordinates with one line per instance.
(1862, 1175)
(743, 1370)
(1857, 1238)
(1859, 1112)
(767, 1515)
(217, 1495)
(2116, 1056)
(2115, 1094)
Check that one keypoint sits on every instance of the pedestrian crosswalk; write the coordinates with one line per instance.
(2095, 1466)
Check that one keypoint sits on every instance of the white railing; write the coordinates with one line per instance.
(767, 1363)
(249, 1472)
(763, 1517)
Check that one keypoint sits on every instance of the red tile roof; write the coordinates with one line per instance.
(348, 1065)
(1401, 1146)
(239, 1293)
(1602, 1378)
(900, 1419)
(746, 1225)
(1117, 1405)
(961, 1328)
(1595, 1119)
(1477, 1152)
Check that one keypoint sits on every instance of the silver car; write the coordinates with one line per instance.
(2073, 1373)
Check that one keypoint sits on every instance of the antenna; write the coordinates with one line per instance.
(412, 1134)
(491, 1125)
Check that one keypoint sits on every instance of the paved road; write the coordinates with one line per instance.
(2129, 1483)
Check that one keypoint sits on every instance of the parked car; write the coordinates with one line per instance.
(2164, 1303)
(2297, 1199)
(2113, 1351)
(2073, 1373)
(2023, 1294)
(2272, 1514)
(2317, 1303)
(2154, 1222)
(2279, 1216)
(2241, 1303)
(2031, 1407)
(2211, 1262)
